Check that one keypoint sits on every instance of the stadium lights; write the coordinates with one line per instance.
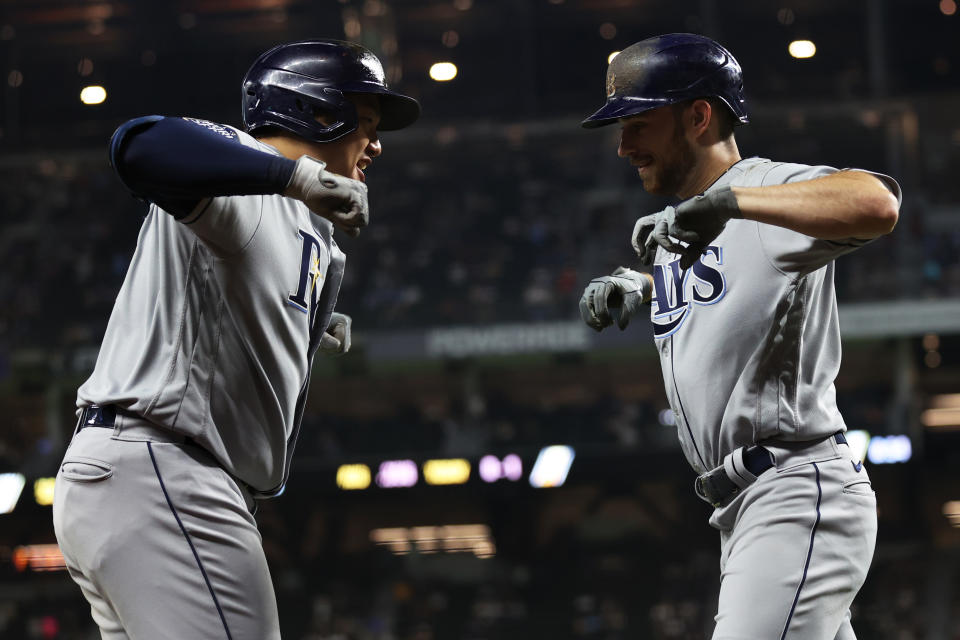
(552, 465)
(353, 476)
(443, 71)
(944, 412)
(452, 538)
(38, 557)
(94, 94)
(948, 7)
(889, 449)
(941, 418)
(394, 474)
(802, 49)
(879, 449)
(612, 55)
(858, 440)
(492, 468)
(453, 471)
(11, 484)
(951, 509)
(43, 491)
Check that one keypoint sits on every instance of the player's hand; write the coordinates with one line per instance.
(341, 200)
(699, 220)
(335, 341)
(652, 231)
(616, 297)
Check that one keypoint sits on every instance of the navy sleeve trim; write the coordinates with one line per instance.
(199, 214)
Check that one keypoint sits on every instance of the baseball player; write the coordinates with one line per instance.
(745, 320)
(193, 408)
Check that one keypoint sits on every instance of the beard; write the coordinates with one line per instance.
(668, 179)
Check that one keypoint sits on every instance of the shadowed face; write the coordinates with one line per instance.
(354, 152)
(654, 142)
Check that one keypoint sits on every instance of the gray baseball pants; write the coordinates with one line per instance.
(160, 538)
(796, 545)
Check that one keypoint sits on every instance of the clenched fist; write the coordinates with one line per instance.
(342, 201)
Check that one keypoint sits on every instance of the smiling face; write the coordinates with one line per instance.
(655, 142)
(354, 152)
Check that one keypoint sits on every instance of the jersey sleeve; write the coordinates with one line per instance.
(226, 223)
(210, 177)
(794, 252)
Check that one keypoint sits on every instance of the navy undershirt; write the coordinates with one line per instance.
(177, 162)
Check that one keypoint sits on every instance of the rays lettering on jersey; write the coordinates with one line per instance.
(674, 301)
(309, 276)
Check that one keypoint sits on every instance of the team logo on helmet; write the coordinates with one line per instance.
(611, 85)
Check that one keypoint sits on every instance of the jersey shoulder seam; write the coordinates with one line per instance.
(256, 230)
(198, 215)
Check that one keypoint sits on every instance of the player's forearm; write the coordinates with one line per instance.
(182, 158)
(847, 204)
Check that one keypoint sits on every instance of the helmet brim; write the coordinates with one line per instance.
(397, 111)
(621, 107)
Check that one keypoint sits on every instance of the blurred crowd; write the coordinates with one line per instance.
(498, 228)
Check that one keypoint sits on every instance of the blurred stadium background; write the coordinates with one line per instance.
(424, 501)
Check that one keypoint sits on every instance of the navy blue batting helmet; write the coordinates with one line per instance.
(666, 69)
(288, 85)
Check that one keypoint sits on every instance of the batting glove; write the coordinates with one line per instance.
(342, 201)
(652, 231)
(699, 220)
(335, 341)
(616, 297)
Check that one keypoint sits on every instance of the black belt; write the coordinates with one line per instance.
(716, 487)
(105, 416)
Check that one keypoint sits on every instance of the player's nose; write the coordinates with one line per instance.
(624, 148)
(374, 148)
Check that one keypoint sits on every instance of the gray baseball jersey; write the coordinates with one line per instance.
(248, 286)
(748, 337)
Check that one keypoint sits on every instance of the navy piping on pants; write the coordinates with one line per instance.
(189, 542)
(809, 554)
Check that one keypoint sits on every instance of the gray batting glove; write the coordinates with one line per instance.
(699, 220)
(616, 297)
(342, 201)
(335, 341)
(652, 231)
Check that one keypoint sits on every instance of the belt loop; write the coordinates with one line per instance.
(737, 470)
(118, 423)
(80, 419)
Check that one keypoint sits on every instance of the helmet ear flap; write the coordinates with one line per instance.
(269, 105)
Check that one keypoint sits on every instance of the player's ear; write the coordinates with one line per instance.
(700, 115)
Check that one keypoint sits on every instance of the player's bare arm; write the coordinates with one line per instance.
(846, 204)
(842, 205)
